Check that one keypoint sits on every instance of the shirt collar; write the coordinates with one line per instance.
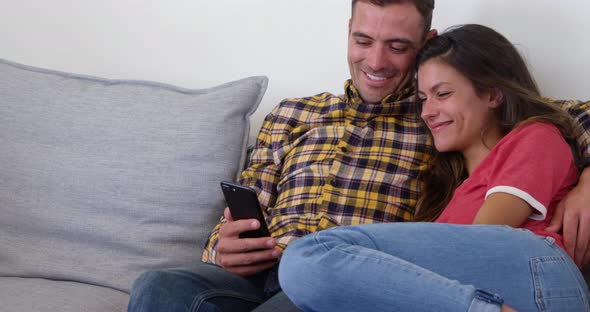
(401, 102)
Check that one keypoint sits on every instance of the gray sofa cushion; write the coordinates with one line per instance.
(103, 179)
(40, 295)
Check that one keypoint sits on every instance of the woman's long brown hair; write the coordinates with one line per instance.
(488, 60)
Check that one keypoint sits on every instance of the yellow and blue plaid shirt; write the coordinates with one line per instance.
(332, 160)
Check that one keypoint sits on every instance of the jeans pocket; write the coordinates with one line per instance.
(556, 287)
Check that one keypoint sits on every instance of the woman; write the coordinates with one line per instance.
(501, 166)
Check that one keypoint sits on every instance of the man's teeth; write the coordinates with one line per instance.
(375, 77)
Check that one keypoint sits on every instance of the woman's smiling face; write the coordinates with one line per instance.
(458, 117)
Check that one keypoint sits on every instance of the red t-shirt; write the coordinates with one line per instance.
(532, 162)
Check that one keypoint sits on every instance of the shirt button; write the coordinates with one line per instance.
(344, 149)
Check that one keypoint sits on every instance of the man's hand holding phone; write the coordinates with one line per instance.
(244, 256)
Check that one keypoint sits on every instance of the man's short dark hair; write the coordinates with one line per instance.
(424, 7)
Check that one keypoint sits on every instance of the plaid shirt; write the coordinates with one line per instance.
(333, 160)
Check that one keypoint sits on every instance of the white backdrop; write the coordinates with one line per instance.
(299, 44)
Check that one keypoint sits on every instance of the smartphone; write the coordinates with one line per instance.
(243, 204)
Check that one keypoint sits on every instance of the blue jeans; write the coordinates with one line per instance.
(430, 267)
(203, 287)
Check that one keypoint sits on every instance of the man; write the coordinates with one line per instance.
(319, 162)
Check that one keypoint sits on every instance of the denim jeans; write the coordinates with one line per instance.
(430, 267)
(203, 287)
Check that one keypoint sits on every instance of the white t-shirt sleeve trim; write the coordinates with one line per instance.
(541, 213)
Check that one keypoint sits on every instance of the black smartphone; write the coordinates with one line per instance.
(243, 204)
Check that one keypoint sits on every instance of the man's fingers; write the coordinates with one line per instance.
(249, 259)
(570, 234)
(557, 221)
(582, 240)
(227, 215)
(252, 269)
(234, 228)
(246, 254)
(242, 245)
(586, 258)
(580, 251)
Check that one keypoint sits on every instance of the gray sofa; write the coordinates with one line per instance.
(102, 179)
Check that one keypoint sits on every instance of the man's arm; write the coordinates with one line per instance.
(573, 213)
(224, 247)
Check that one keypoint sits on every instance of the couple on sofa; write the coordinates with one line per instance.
(500, 159)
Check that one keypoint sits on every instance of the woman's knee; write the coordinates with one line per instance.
(290, 265)
(304, 271)
(292, 272)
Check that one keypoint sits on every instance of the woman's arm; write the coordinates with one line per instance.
(503, 209)
(530, 167)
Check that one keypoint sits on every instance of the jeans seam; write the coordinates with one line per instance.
(201, 298)
(539, 299)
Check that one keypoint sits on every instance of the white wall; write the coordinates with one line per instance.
(299, 44)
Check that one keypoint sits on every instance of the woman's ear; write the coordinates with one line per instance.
(496, 97)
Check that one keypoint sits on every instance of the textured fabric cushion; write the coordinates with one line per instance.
(39, 295)
(103, 179)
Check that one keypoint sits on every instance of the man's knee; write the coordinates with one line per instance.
(201, 287)
(169, 289)
(152, 284)
(171, 281)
